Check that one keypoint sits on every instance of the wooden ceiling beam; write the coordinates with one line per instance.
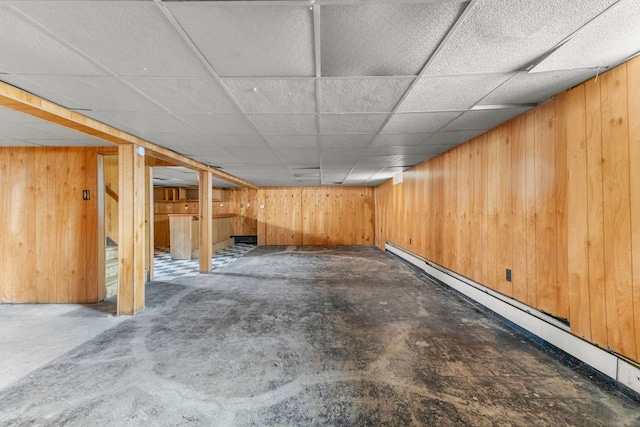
(18, 100)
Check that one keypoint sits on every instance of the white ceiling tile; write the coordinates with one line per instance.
(186, 95)
(376, 161)
(247, 140)
(351, 123)
(209, 124)
(418, 122)
(292, 141)
(399, 139)
(382, 39)
(150, 122)
(285, 123)
(10, 116)
(16, 143)
(483, 119)
(346, 151)
(44, 92)
(432, 93)
(256, 41)
(26, 48)
(392, 150)
(337, 141)
(406, 161)
(371, 95)
(447, 139)
(22, 131)
(184, 139)
(141, 41)
(507, 35)
(274, 95)
(613, 36)
(57, 132)
(340, 163)
(526, 88)
(98, 93)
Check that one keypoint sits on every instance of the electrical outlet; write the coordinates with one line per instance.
(508, 275)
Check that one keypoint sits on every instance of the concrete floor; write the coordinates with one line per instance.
(309, 337)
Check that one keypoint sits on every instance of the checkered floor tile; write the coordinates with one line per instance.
(164, 268)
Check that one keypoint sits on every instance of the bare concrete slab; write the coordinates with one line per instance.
(310, 336)
(32, 335)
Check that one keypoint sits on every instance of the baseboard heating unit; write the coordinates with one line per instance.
(531, 320)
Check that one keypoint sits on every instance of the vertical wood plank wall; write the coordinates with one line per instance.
(553, 195)
(242, 202)
(48, 232)
(316, 216)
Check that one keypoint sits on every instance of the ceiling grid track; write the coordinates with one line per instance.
(465, 13)
(210, 68)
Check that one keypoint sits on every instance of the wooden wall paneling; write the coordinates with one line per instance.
(467, 240)
(31, 261)
(93, 266)
(17, 226)
(595, 213)
(617, 215)
(486, 254)
(409, 208)
(518, 209)
(491, 258)
(42, 224)
(76, 274)
(261, 215)
(545, 196)
(633, 85)
(449, 198)
(438, 225)
(562, 272)
(504, 198)
(480, 191)
(370, 217)
(530, 207)
(61, 225)
(577, 253)
(310, 217)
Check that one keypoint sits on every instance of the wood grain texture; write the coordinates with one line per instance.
(131, 246)
(595, 213)
(633, 85)
(617, 212)
(577, 214)
(48, 236)
(316, 216)
(518, 212)
(564, 201)
(562, 270)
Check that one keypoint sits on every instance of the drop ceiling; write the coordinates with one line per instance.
(324, 92)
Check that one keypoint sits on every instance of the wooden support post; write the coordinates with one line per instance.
(205, 196)
(149, 221)
(131, 242)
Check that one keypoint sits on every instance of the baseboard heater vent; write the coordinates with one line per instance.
(545, 327)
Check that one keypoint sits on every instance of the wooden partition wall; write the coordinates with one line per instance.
(48, 232)
(316, 216)
(553, 195)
